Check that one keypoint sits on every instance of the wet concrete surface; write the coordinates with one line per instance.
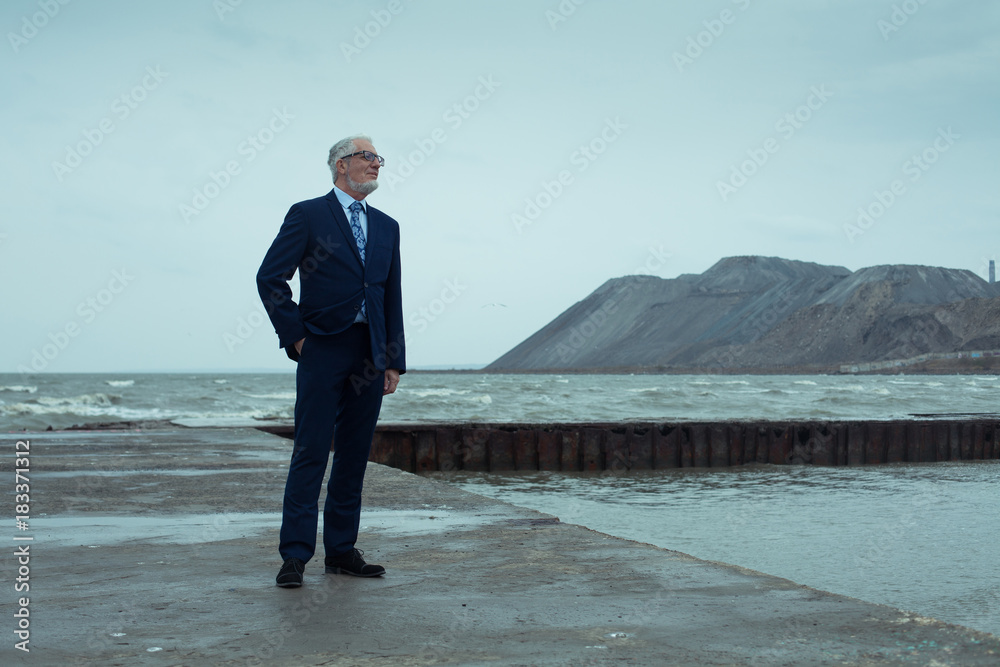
(160, 548)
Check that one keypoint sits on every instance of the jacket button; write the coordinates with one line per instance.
(366, 284)
(357, 307)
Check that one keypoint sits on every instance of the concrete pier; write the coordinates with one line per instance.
(645, 446)
(160, 548)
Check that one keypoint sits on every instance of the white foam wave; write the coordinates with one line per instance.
(258, 414)
(425, 393)
(281, 396)
(110, 411)
(805, 382)
(24, 389)
(119, 383)
(87, 405)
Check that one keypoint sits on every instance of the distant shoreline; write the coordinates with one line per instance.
(983, 366)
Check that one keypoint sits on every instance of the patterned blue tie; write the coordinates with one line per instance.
(359, 238)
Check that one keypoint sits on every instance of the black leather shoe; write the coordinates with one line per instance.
(290, 574)
(352, 563)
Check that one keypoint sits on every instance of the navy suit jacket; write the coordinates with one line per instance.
(316, 240)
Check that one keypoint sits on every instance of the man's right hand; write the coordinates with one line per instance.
(298, 346)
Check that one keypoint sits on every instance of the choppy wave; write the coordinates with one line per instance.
(21, 389)
(427, 393)
(85, 405)
(64, 400)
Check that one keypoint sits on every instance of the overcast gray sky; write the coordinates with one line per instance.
(534, 149)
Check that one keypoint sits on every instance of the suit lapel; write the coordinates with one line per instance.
(374, 229)
(340, 219)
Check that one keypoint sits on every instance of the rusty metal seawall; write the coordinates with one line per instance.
(647, 446)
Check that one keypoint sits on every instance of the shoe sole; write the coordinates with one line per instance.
(340, 570)
(290, 584)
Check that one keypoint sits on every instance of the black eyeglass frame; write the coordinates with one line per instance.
(368, 155)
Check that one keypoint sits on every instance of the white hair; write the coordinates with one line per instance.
(342, 148)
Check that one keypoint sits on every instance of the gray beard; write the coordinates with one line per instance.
(365, 188)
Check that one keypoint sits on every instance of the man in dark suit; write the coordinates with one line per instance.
(346, 333)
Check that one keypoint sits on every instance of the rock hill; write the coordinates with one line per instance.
(765, 312)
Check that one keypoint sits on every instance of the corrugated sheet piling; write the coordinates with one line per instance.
(624, 446)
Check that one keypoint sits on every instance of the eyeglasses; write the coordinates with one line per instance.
(368, 155)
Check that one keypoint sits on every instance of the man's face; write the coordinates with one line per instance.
(362, 174)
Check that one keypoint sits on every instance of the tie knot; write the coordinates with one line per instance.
(355, 207)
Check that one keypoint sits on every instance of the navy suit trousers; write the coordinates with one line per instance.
(338, 398)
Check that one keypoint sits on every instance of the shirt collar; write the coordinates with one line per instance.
(346, 200)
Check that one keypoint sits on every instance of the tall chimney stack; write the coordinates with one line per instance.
(993, 271)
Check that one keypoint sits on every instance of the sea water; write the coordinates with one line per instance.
(35, 402)
(923, 537)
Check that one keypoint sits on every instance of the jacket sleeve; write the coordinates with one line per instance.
(279, 265)
(395, 341)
